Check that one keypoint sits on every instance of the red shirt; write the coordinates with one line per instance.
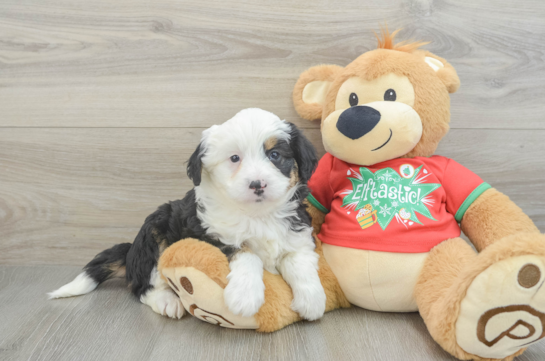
(406, 205)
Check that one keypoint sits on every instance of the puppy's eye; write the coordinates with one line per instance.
(235, 158)
(274, 155)
(390, 95)
(353, 99)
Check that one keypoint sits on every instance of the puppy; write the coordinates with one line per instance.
(250, 176)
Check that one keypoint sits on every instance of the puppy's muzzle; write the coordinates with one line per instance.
(357, 121)
(258, 186)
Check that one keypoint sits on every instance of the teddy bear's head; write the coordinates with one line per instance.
(388, 103)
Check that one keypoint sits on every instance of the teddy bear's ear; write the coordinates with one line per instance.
(444, 71)
(310, 90)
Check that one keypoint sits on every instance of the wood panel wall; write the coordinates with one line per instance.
(102, 102)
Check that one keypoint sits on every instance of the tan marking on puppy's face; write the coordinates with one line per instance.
(294, 176)
(270, 143)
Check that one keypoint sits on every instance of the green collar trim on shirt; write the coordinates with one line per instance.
(470, 199)
(317, 204)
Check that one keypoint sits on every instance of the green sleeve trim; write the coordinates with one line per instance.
(470, 199)
(317, 204)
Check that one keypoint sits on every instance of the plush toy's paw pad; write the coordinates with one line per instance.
(164, 302)
(309, 301)
(504, 308)
(245, 294)
(203, 298)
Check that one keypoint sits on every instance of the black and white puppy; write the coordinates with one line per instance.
(250, 176)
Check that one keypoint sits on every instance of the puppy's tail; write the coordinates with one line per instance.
(107, 264)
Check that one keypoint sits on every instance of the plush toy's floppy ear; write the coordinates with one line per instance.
(444, 71)
(194, 165)
(310, 90)
(304, 152)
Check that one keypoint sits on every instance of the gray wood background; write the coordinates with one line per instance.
(102, 102)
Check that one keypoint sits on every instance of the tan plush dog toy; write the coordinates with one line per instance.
(388, 213)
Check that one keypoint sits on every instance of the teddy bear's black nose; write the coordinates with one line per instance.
(357, 121)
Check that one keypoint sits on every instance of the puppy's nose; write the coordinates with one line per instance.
(357, 121)
(258, 186)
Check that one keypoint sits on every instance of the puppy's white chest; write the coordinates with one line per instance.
(268, 251)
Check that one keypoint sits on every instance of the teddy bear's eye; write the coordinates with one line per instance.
(390, 95)
(353, 99)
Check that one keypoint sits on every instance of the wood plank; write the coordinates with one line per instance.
(172, 63)
(67, 194)
(110, 324)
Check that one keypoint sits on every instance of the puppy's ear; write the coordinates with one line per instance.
(304, 153)
(194, 165)
(311, 89)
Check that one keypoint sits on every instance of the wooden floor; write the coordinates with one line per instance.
(110, 324)
(102, 102)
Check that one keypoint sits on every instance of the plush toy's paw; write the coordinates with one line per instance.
(244, 294)
(203, 298)
(504, 308)
(309, 301)
(164, 302)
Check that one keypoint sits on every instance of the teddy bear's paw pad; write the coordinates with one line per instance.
(504, 308)
(203, 298)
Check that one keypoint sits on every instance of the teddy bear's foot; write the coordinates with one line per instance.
(203, 298)
(504, 308)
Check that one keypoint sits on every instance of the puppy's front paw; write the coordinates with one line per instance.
(309, 301)
(164, 302)
(244, 294)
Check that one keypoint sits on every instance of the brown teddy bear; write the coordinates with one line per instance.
(388, 213)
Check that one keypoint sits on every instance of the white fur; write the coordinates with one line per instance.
(236, 220)
(299, 270)
(161, 298)
(245, 292)
(81, 285)
(230, 210)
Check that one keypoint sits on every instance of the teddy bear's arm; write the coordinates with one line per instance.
(494, 216)
(316, 216)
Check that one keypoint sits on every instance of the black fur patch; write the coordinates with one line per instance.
(178, 220)
(302, 217)
(194, 165)
(286, 161)
(300, 154)
(304, 153)
(170, 223)
(107, 262)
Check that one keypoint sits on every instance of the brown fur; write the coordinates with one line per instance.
(199, 255)
(494, 216)
(276, 313)
(316, 73)
(432, 101)
(118, 271)
(294, 176)
(318, 217)
(448, 273)
(495, 225)
(270, 143)
(335, 295)
(386, 41)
